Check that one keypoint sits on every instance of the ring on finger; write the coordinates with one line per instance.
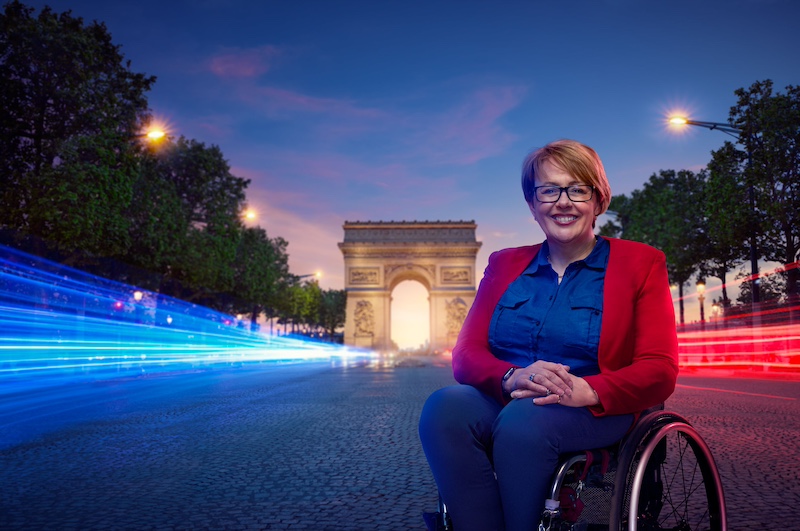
(549, 392)
(531, 377)
(559, 399)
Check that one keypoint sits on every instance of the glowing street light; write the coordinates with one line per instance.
(318, 275)
(719, 126)
(701, 297)
(154, 135)
(736, 133)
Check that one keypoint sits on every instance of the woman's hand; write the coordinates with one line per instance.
(582, 395)
(540, 379)
(551, 384)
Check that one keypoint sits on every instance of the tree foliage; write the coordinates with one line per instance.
(705, 222)
(661, 215)
(74, 174)
(333, 311)
(261, 272)
(770, 124)
(70, 105)
(727, 217)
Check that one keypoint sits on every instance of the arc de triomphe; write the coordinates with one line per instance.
(378, 255)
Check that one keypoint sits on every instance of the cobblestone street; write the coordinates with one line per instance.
(313, 446)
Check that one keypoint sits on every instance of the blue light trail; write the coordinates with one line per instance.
(61, 324)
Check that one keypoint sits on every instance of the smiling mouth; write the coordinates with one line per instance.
(565, 219)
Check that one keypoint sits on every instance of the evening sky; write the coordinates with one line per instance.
(424, 110)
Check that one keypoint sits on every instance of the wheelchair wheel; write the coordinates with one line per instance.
(668, 481)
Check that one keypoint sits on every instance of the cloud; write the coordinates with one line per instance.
(471, 130)
(462, 132)
(431, 128)
(244, 63)
(279, 102)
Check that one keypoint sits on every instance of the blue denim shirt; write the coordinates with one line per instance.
(539, 319)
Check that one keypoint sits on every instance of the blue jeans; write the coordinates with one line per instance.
(493, 464)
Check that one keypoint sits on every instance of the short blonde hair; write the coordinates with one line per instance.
(579, 160)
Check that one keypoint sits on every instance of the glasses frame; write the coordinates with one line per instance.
(561, 190)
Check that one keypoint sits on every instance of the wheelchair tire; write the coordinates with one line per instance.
(668, 481)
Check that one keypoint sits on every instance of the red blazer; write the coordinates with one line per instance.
(638, 352)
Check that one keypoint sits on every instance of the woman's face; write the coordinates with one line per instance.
(564, 221)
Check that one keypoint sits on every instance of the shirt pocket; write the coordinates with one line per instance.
(586, 315)
(510, 327)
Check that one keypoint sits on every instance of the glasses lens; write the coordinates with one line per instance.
(577, 193)
(548, 194)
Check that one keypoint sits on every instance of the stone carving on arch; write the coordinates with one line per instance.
(365, 319)
(456, 313)
(378, 255)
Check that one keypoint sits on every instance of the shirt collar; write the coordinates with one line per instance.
(595, 260)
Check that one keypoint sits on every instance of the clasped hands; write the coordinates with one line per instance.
(550, 383)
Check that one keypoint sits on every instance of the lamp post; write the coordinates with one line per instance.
(701, 297)
(736, 133)
(716, 311)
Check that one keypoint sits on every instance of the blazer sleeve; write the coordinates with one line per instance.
(638, 352)
(473, 362)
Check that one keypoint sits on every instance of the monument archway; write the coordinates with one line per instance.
(378, 255)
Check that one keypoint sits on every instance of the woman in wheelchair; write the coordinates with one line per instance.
(566, 343)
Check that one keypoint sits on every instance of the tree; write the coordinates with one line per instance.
(727, 216)
(203, 181)
(770, 124)
(158, 227)
(333, 311)
(81, 203)
(260, 271)
(661, 215)
(210, 200)
(71, 106)
(770, 287)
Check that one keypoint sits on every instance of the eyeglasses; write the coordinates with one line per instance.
(577, 193)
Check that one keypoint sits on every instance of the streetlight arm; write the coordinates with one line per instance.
(725, 128)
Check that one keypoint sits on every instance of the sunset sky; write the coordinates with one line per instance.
(424, 110)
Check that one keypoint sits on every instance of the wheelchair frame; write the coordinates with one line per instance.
(664, 478)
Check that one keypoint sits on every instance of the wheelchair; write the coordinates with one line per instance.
(661, 476)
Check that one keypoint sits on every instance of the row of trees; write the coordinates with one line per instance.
(77, 178)
(705, 222)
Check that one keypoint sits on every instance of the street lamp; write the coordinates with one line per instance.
(318, 275)
(153, 135)
(736, 133)
(701, 297)
(716, 311)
